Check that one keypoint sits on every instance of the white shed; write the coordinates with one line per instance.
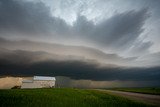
(39, 82)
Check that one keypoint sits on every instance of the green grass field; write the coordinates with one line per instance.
(63, 98)
(155, 91)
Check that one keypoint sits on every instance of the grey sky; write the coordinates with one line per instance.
(111, 26)
(101, 33)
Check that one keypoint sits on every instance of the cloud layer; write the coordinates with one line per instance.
(66, 52)
(33, 20)
(28, 63)
(92, 40)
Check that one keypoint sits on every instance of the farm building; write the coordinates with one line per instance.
(39, 82)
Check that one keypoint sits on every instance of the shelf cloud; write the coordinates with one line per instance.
(89, 39)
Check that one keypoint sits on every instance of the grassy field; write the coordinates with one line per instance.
(155, 91)
(62, 98)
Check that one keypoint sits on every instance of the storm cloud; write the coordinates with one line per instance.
(90, 40)
(45, 51)
(80, 70)
(34, 20)
(24, 63)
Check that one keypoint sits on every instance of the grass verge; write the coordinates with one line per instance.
(63, 98)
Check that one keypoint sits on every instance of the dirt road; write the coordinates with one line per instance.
(146, 98)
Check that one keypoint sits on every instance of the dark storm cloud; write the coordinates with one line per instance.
(28, 17)
(66, 50)
(121, 30)
(63, 51)
(16, 63)
(34, 19)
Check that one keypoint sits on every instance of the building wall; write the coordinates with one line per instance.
(38, 84)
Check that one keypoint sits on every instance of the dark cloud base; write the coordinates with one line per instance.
(80, 70)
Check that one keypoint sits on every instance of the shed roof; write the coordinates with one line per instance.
(43, 78)
(27, 81)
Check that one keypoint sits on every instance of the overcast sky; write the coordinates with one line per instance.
(82, 39)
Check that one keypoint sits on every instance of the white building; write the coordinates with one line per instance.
(39, 82)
